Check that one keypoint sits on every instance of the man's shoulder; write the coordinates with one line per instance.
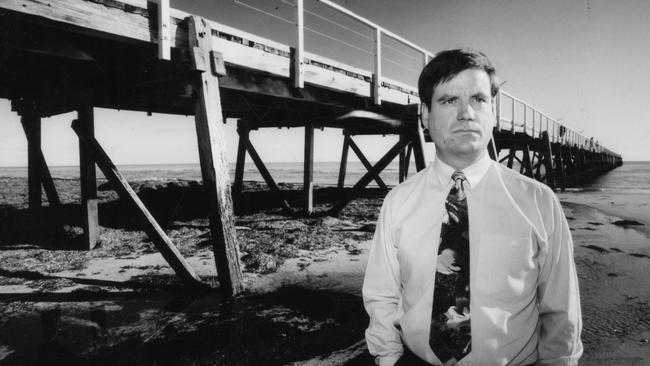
(413, 184)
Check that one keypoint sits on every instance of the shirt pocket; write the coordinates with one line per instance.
(505, 266)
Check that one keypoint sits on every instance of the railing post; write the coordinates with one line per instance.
(499, 111)
(532, 132)
(512, 122)
(164, 30)
(555, 134)
(376, 76)
(525, 118)
(546, 123)
(298, 56)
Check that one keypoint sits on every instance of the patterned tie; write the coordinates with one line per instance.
(450, 335)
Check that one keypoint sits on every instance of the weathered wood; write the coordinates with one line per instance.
(299, 49)
(547, 152)
(48, 183)
(32, 124)
(369, 176)
(88, 179)
(266, 174)
(402, 162)
(409, 151)
(164, 27)
(244, 134)
(124, 190)
(511, 156)
(418, 148)
(308, 171)
(527, 162)
(214, 164)
(492, 150)
(559, 172)
(108, 18)
(344, 162)
(365, 162)
(376, 75)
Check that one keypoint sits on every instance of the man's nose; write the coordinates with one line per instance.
(465, 112)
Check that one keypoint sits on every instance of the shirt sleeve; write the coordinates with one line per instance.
(558, 295)
(382, 292)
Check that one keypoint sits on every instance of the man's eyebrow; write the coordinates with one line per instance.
(479, 94)
(446, 96)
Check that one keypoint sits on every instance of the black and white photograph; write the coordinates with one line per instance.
(325, 182)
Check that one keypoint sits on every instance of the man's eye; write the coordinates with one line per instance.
(448, 101)
(480, 99)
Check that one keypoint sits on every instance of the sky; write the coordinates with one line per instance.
(581, 62)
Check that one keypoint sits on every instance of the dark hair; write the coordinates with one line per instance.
(447, 64)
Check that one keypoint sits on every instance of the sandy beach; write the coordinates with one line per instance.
(122, 304)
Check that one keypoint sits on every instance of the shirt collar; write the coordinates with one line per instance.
(474, 173)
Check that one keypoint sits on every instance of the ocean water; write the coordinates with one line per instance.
(325, 173)
(632, 177)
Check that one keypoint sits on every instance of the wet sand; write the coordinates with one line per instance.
(121, 303)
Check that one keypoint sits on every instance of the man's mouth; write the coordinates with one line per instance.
(468, 131)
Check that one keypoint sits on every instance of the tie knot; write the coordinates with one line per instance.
(458, 177)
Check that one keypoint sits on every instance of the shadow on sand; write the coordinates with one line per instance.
(181, 328)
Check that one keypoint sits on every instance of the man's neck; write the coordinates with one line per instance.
(461, 162)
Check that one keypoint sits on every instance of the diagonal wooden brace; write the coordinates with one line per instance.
(124, 190)
(372, 173)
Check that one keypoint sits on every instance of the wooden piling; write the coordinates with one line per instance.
(212, 155)
(46, 178)
(32, 125)
(308, 173)
(344, 161)
(88, 179)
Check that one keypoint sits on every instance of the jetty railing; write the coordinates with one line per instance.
(513, 113)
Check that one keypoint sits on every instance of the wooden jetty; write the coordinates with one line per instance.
(76, 55)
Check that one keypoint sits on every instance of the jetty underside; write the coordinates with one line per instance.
(75, 55)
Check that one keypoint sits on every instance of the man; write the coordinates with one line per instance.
(471, 262)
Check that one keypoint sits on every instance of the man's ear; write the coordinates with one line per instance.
(424, 116)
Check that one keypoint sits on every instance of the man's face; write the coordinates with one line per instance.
(461, 118)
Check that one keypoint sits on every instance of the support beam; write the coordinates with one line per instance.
(409, 152)
(365, 162)
(547, 153)
(511, 156)
(244, 133)
(124, 190)
(298, 52)
(265, 173)
(376, 75)
(88, 179)
(527, 163)
(308, 176)
(363, 182)
(32, 123)
(418, 148)
(212, 155)
(492, 150)
(164, 29)
(344, 161)
(402, 162)
(46, 178)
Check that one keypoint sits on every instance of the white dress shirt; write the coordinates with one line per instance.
(524, 300)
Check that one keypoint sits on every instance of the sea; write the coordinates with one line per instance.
(631, 177)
